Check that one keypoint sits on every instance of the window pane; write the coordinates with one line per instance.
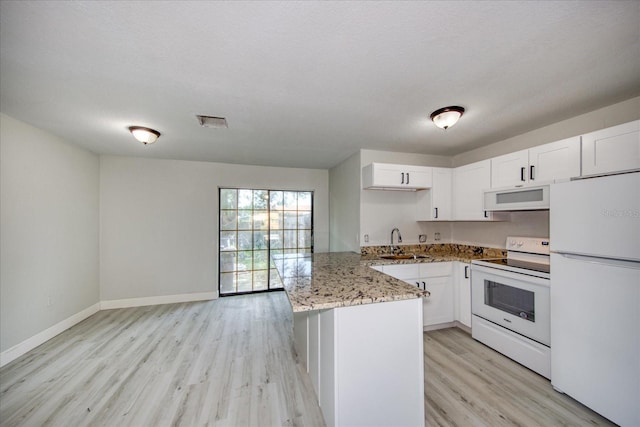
(290, 239)
(276, 200)
(276, 220)
(227, 283)
(304, 201)
(228, 198)
(304, 220)
(260, 220)
(245, 261)
(245, 220)
(275, 281)
(260, 260)
(260, 280)
(245, 240)
(290, 200)
(228, 220)
(245, 199)
(260, 240)
(275, 239)
(290, 220)
(228, 241)
(304, 238)
(244, 282)
(260, 199)
(228, 261)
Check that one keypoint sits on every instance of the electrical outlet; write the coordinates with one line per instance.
(422, 238)
(366, 238)
(436, 236)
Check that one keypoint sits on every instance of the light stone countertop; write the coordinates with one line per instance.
(323, 281)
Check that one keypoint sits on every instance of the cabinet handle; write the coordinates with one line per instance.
(407, 177)
(522, 169)
(418, 284)
(466, 271)
(485, 214)
(531, 177)
(424, 286)
(402, 178)
(436, 212)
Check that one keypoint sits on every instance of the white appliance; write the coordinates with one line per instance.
(595, 294)
(517, 199)
(510, 303)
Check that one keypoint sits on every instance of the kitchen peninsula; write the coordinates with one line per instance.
(358, 333)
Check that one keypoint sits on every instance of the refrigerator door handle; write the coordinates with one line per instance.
(634, 264)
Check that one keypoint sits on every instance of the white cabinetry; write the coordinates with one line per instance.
(434, 204)
(469, 183)
(614, 149)
(370, 360)
(542, 164)
(436, 278)
(462, 293)
(385, 176)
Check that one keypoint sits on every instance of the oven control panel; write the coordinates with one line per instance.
(534, 245)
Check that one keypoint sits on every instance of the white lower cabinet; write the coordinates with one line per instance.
(462, 292)
(438, 279)
(369, 367)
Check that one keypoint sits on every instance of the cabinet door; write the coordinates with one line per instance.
(418, 176)
(469, 183)
(462, 297)
(388, 176)
(438, 307)
(509, 170)
(435, 203)
(441, 194)
(613, 149)
(557, 160)
(402, 271)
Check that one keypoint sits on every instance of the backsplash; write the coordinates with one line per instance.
(441, 248)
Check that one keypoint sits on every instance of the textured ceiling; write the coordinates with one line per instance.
(306, 84)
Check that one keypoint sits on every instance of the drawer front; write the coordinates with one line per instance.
(436, 269)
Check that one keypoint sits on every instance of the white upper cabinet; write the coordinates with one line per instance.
(614, 149)
(469, 183)
(435, 203)
(542, 164)
(385, 176)
(510, 169)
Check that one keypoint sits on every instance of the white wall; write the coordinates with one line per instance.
(344, 205)
(494, 234)
(159, 221)
(49, 207)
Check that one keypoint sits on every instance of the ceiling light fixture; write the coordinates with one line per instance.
(446, 117)
(144, 135)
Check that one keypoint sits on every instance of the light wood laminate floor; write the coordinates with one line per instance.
(231, 362)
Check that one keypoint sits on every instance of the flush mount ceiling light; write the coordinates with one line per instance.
(144, 135)
(446, 117)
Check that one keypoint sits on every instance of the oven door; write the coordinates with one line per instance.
(515, 301)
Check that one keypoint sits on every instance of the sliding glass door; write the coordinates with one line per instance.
(254, 225)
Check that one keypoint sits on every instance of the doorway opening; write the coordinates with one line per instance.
(254, 225)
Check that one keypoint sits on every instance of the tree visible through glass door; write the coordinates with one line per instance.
(254, 225)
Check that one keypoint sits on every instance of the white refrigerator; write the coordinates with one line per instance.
(595, 294)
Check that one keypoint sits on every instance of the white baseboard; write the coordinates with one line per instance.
(163, 299)
(18, 350)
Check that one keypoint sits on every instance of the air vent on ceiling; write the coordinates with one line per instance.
(212, 122)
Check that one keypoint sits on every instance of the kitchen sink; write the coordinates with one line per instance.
(403, 256)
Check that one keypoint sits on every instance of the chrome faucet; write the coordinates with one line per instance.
(391, 247)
